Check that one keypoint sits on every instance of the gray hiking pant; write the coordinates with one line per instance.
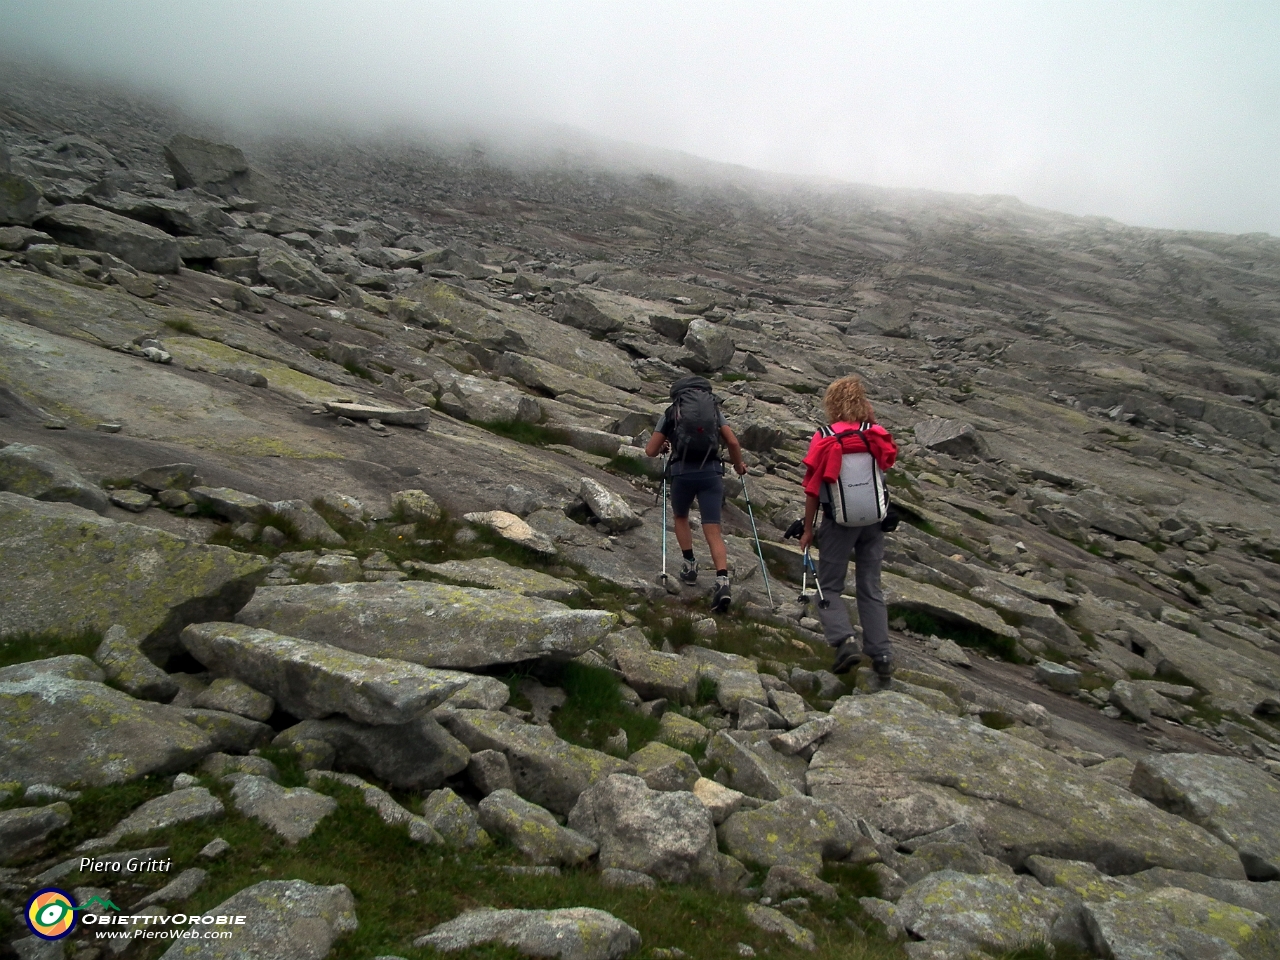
(836, 544)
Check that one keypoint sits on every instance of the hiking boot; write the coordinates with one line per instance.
(720, 596)
(884, 673)
(847, 655)
(689, 572)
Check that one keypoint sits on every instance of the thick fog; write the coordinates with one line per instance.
(1158, 114)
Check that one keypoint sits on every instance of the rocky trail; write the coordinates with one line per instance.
(330, 559)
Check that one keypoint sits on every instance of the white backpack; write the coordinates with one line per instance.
(859, 497)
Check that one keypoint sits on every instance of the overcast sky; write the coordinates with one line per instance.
(1161, 114)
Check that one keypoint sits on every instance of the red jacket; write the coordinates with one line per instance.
(822, 462)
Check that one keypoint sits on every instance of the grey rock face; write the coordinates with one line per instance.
(544, 768)
(167, 581)
(665, 768)
(489, 771)
(287, 920)
(890, 755)
(24, 829)
(667, 835)
(533, 831)
(1232, 799)
(576, 933)
(181, 887)
(313, 680)
(580, 310)
(70, 666)
(172, 809)
(659, 675)
(124, 666)
(453, 819)
(755, 770)
(795, 832)
(413, 756)
(232, 696)
(427, 623)
(492, 574)
(707, 347)
(290, 273)
(218, 168)
(775, 921)
(1004, 912)
(75, 732)
(610, 509)
(141, 246)
(1261, 898)
(953, 437)
(482, 400)
(294, 813)
(43, 474)
(307, 524)
(1172, 924)
(19, 199)
(228, 732)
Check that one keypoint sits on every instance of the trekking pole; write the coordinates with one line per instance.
(808, 565)
(756, 533)
(665, 461)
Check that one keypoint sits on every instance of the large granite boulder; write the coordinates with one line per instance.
(125, 667)
(707, 347)
(292, 814)
(418, 755)
(150, 582)
(290, 273)
(77, 732)
(44, 474)
(583, 311)
(795, 831)
(137, 244)
(1173, 924)
(666, 835)
(945, 606)
(545, 769)
(428, 623)
(952, 437)
(218, 168)
(573, 933)
(19, 199)
(983, 911)
(492, 574)
(1233, 800)
(313, 680)
(755, 769)
(482, 400)
(613, 512)
(23, 830)
(533, 831)
(910, 770)
(284, 920)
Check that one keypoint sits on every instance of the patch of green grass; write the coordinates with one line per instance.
(628, 466)
(975, 638)
(532, 434)
(995, 720)
(98, 809)
(26, 646)
(182, 325)
(707, 690)
(735, 377)
(358, 371)
(593, 709)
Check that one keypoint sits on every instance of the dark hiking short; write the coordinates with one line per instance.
(706, 485)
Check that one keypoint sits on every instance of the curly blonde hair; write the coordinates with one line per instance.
(846, 400)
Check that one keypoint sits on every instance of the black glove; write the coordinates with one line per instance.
(795, 530)
(891, 519)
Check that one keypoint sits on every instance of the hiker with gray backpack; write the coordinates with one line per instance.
(844, 477)
(691, 432)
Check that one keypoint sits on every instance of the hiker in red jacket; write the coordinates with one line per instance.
(847, 410)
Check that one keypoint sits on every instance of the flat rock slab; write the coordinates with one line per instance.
(418, 755)
(44, 474)
(910, 770)
(1175, 924)
(24, 829)
(533, 831)
(80, 733)
(392, 415)
(182, 806)
(137, 244)
(294, 813)
(575, 933)
(926, 598)
(313, 680)
(545, 769)
(982, 911)
(285, 920)
(148, 581)
(775, 921)
(492, 574)
(431, 624)
(1232, 799)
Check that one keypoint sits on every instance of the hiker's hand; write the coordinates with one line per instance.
(806, 539)
(740, 468)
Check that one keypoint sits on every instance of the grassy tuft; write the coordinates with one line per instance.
(973, 637)
(593, 709)
(531, 434)
(182, 325)
(26, 646)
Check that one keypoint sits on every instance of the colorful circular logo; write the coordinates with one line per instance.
(51, 914)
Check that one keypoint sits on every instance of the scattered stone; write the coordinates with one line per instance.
(232, 696)
(1171, 923)
(389, 812)
(453, 819)
(511, 527)
(43, 474)
(775, 921)
(953, 437)
(613, 512)
(613, 878)
(214, 849)
(181, 887)
(418, 755)
(576, 933)
(23, 830)
(795, 832)
(982, 911)
(489, 771)
(756, 771)
(665, 768)
(1057, 677)
(533, 831)
(137, 244)
(124, 666)
(170, 810)
(223, 764)
(722, 801)
(681, 732)
(293, 813)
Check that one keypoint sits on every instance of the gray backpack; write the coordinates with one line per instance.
(858, 496)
